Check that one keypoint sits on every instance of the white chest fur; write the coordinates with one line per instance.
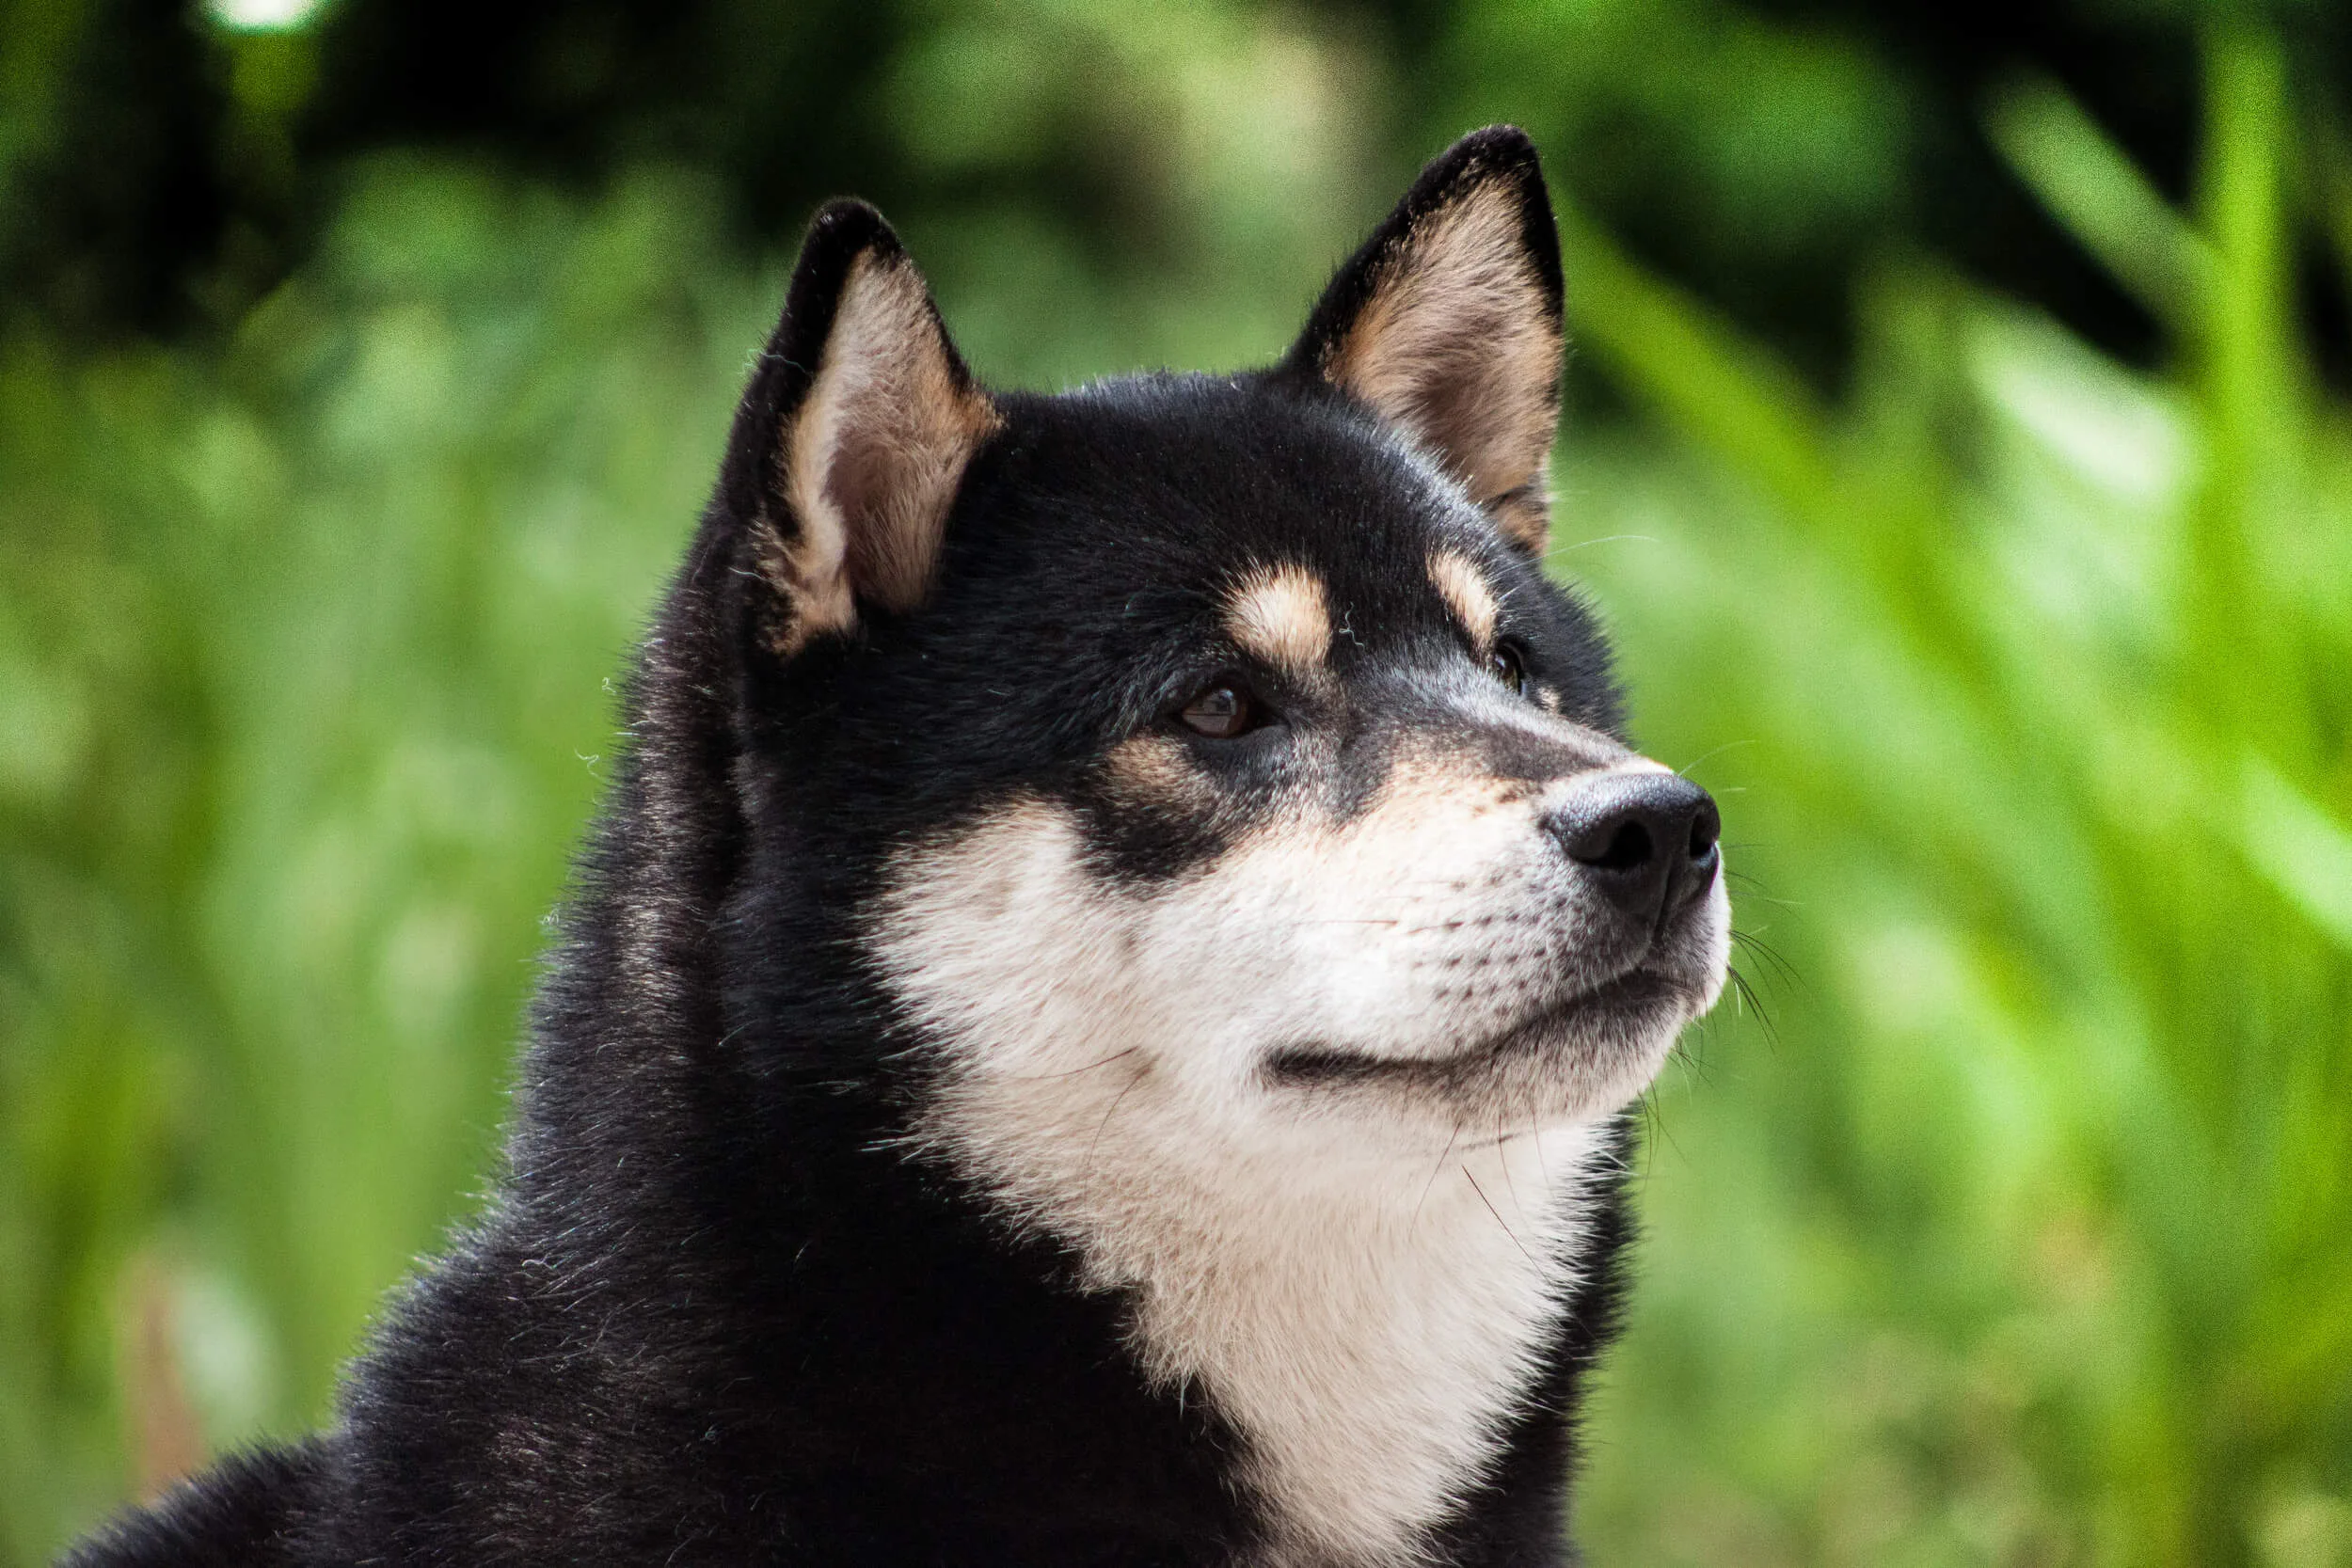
(1369, 1323)
(1362, 1301)
(1369, 1327)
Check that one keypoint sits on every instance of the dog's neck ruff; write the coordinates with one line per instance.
(1369, 1313)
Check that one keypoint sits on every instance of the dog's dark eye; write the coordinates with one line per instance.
(1505, 665)
(1220, 713)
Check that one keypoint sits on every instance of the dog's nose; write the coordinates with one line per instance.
(1647, 841)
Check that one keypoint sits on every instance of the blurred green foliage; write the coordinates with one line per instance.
(2020, 1234)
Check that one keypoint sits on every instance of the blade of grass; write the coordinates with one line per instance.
(2101, 197)
(1694, 369)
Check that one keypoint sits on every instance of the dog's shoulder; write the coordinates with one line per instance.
(247, 1512)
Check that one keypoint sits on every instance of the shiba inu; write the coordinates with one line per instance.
(1096, 1025)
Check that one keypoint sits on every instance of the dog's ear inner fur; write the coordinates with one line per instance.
(854, 436)
(1447, 323)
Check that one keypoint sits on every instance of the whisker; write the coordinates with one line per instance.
(1754, 890)
(1654, 1132)
(1754, 1004)
(1753, 941)
(1509, 1186)
(1049, 1077)
(1693, 1061)
(1604, 539)
(1443, 1155)
(1727, 746)
(1096, 1146)
(1497, 1214)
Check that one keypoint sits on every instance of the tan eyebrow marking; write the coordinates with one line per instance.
(1155, 770)
(1280, 614)
(1465, 590)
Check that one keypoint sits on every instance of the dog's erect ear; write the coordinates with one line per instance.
(1447, 323)
(854, 435)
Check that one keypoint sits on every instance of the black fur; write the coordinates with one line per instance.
(713, 1315)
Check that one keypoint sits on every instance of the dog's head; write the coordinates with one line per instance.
(1222, 739)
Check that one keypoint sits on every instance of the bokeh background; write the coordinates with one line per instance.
(1961, 445)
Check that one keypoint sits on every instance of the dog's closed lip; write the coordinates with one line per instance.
(1637, 992)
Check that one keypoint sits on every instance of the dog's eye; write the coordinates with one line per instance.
(1220, 713)
(1505, 665)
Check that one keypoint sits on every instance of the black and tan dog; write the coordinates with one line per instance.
(1097, 1021)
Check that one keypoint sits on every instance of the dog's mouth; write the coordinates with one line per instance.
(1599, 1023)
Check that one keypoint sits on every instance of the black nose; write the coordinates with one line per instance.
(1647, 841)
